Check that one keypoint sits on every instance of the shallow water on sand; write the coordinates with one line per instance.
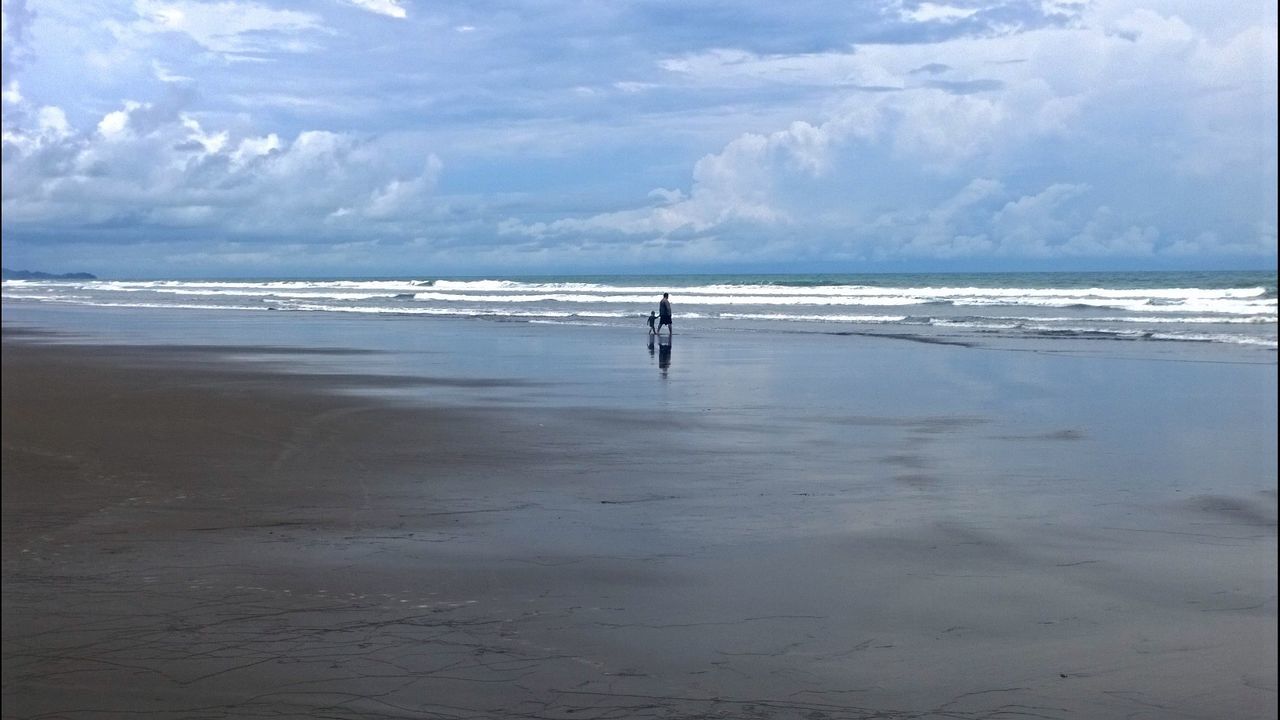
(781, 525)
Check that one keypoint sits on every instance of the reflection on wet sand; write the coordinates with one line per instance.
(664, 352)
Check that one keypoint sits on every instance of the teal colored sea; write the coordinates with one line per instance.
(1088, 309)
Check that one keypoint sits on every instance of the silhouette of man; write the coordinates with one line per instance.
(664, 314)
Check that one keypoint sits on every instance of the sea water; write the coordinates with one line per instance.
(1042, 310)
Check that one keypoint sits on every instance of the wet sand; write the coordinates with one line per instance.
(189, 536)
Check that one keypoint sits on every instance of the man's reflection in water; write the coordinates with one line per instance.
(664, 355)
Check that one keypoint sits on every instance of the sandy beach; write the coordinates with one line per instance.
(190, 534)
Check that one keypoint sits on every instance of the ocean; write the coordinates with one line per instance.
(1228, 309)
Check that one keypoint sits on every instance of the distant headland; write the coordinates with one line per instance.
(35, 275)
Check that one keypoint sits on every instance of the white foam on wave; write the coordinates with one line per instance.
(1239, 302)
(265, 290)
(647, 300)
(452, 311)
(922, 293)
(46, 298)
(693, 290)
(248, 286)
(786, 317)
(1231, 339)
(971, 324)
(580, 323)
(1086, 331)
(1226, 307)
(93, 302)
(1255, 320)
(1062, 326)
(269, 294)
(406, 310)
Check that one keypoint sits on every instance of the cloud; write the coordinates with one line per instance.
(966, 87)
(1025, 117)
(738, 68)
(1260, 242)
(1106, 235)
(150, 166)
(933, 12)
(931, 69)
(390, 8)
(230, 28)
(1032, 224)
(728, 187)
(15, 18)
(984, 219)
(627, 86)
(750, 179)
(890, 130)
(252, 148)
(165, 75)
(954, 228)
(398, 198)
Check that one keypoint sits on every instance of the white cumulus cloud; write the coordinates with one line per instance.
(390, 8)
(232, 27)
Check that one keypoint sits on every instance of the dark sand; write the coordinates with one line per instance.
(188, 537)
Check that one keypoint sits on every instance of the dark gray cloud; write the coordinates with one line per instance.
(985, 19)
(17, 18)
(931, 69)
(966, 87)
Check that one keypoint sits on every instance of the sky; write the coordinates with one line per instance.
(255, 138)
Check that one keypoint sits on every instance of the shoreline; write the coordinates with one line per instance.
(186, 533)
(1189, 313)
